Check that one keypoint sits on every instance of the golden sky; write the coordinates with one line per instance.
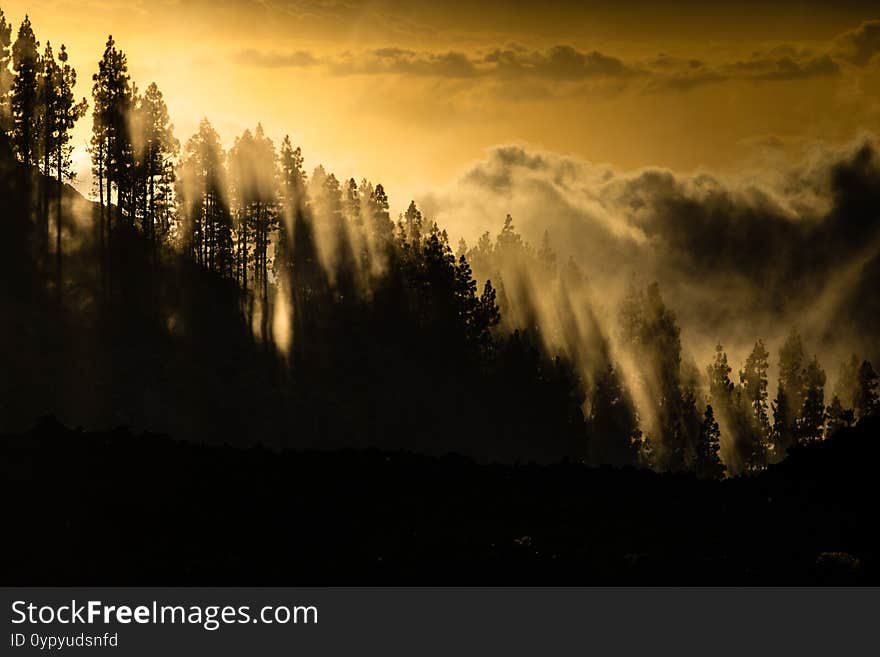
(412, 93)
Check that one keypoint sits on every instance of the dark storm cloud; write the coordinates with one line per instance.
(861, 45)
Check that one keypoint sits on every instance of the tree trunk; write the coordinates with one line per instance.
(244, 234)
(109, 232)
(44, 186)
(101, 200)
(58, 223)
(109, 208)
(152, 210)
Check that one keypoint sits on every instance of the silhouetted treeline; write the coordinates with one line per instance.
(228, 293)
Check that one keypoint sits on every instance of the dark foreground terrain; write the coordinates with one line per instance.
(116, 508)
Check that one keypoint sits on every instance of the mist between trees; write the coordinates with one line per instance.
(229, 296)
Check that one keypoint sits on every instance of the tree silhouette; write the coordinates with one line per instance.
(838, 416)
(253, 168)
(5, 74)
(720, 386)
(159, 148)
(731, 405)
(410, 225)
(201, 188)
(790, 393)
(48, 101)
(113, 97)
(865, 400)
(381, 223)
(615, 437)
(742, 408)
(708, 463)
(546, 256)
(293, 202)
(810, 424)
(67, 113)
(753, 386)
(651, 330)
(25, 94)
(847, 384)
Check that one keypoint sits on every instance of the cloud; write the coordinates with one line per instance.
(861, 45)
(778, 64)
(566, 66)
(784, 63)
(402, 61)
(298, 58)
(737, 259)
(559, 62)
(684, 81)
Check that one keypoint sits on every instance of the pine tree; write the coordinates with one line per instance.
(865, 401)
(330, 196)
(810, 423)
(838, 417)
(509, 244)
(730, 404)
(753, 383)
(293, 200)
(293, 175)
(652, 332)
(68, 112)
(5, 74)
(382, 226)
(411, 225)
(708, 463)
(253, 169)
(264, 220)
(48, 101)
(546, 256)
(25, 94)
(201, 184)
(847, 384)
(351, 203)
(98, 149)
(365, 195)
(789, 396)
(614, 435)
(160, 147)
(113, 96)
(752, 393)
(720, 385)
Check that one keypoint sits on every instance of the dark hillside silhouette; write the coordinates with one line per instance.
(117, 508)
